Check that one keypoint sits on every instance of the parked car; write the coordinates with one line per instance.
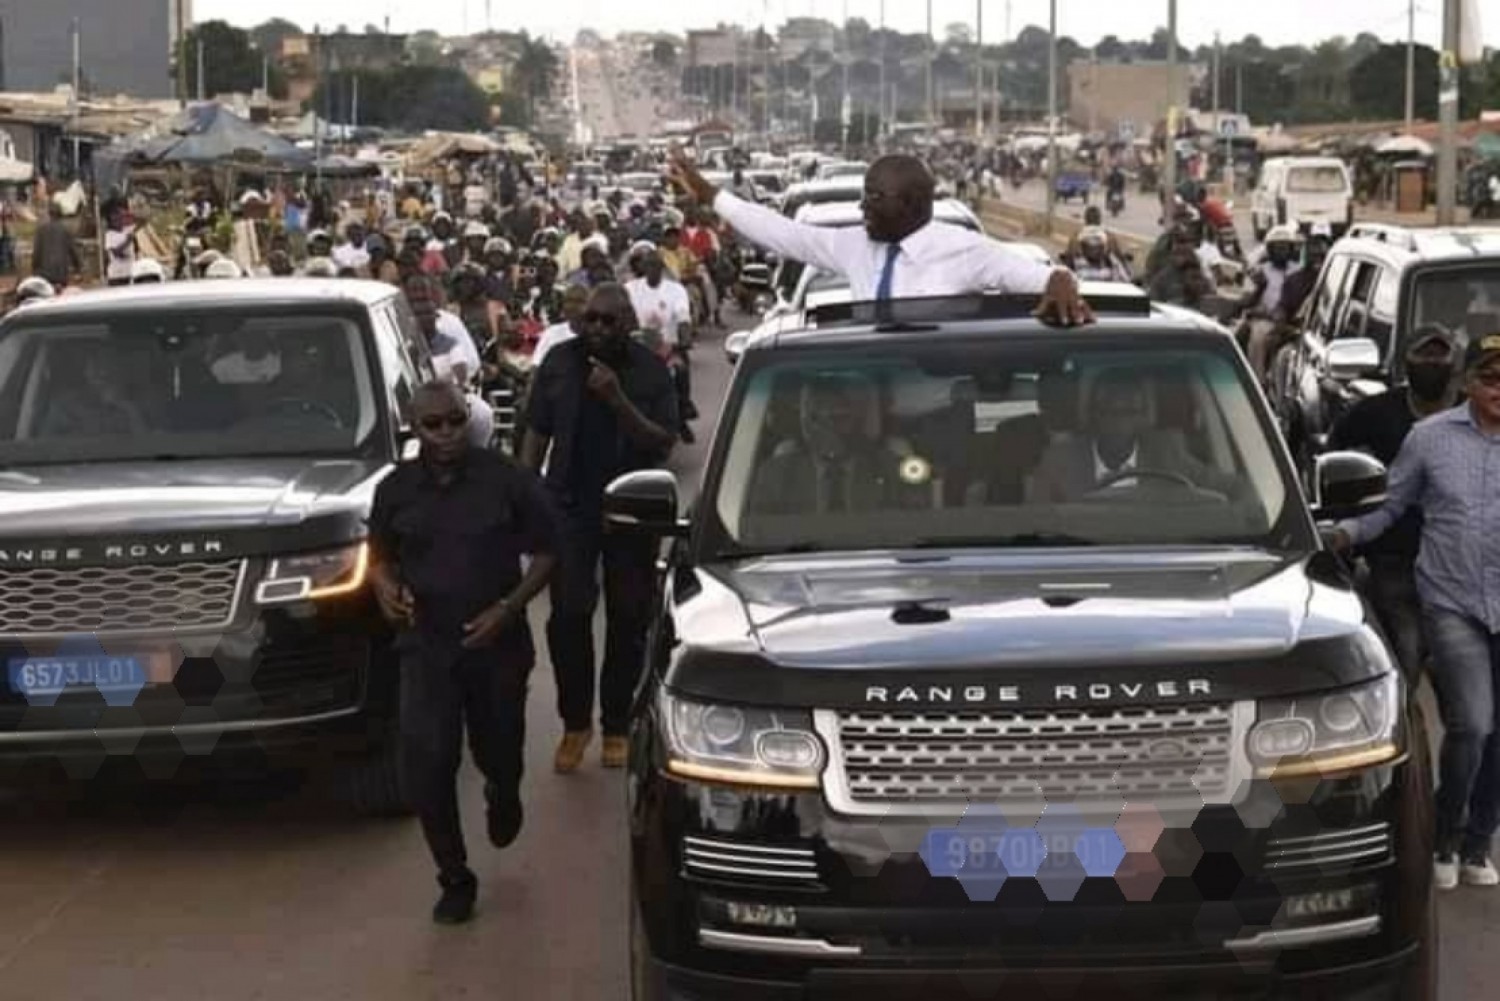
(1378, 285)
(1074, 184)
(933, 706)
(187, 472)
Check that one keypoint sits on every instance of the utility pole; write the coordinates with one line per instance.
(1169, 164)
(1411, 64)
(931, 56)
(978, 70)
(1093, 89)
(1448, 83)
(77, 93)
(354, 100)
(1051, 115)
(845, 109)
(201, 94)
(765, 62)
(1219, 121)
(881, 123)
(265, 74)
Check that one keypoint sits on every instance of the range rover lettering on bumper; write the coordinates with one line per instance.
(1120, 691)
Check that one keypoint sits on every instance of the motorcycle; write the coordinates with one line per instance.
(752, 282)
(1115, 203)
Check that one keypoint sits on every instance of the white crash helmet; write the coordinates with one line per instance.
(1281, 234)
(319, 267)
(34, 289)
(476, 229)
(147, 269)
(224, 267)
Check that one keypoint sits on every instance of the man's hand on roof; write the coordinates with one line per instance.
(1062, 304)
(684, 173)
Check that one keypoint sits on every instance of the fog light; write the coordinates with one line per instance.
(761, 915)
(782, 749)
(1281, 738)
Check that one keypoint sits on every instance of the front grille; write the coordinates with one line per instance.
(1331, 849)
(740, 861)
(57, 601)
(933, 759)
(312, 675)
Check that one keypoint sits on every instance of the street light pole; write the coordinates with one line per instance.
(978, 70)
(845, 109)
(880, 121)
(1169, 165)
(1051, 115)
(931, 54)
(1447, 166)
(1411, 64)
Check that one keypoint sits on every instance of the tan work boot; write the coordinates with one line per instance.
(570, 750)
(614, 753)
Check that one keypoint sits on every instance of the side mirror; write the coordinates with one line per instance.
(1348, 485)
(1352, 358)
(644, 503)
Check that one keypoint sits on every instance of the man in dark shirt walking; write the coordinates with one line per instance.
(606, 405)
(448, 532)
(54, 252)
(1378, 426)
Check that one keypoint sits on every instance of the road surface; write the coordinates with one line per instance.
(150, 893)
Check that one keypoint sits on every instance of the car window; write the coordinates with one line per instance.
(1464, 300)
(206, 384)
(1325, 180)
(401, 372)
(1326, 299)
(1354, 319)
(941, 444)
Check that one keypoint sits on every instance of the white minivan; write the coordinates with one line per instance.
(1302, 191)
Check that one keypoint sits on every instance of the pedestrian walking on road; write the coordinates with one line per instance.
(604, 405)
(448, 532)
(1449, 467)
(54, 252)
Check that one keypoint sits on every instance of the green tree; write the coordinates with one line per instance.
(425, 48)
(515, 110)
(230, 64)
(1377, 84)
(535, 70)
(411, 98)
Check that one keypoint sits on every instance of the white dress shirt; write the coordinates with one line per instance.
(462, 352)
(1103, 472)
(664, 308)
(347, 255)
(558, 333)
(936, 260)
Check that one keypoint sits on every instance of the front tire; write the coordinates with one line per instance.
(644, 985)
(372, 785)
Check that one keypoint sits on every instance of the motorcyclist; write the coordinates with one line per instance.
(1299, 284)
(1181, 280)
(1114, 189)
(1095, 262)
(1259, 305)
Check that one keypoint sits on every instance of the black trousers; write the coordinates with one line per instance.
(439, 694)
(629, 566)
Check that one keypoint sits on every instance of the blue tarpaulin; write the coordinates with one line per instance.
(198, 136)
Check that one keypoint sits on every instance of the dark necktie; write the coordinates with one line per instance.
(887, 273)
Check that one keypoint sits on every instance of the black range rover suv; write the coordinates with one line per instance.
(938, 705)
(185, 472)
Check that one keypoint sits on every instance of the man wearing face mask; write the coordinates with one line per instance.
(1379, 425)
(1299, 284)
(603, 404)
(1268, 280)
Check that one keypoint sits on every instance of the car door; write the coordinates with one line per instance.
(1301, 407)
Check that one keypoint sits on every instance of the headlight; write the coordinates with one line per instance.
(1329, 732)
(323, 574)
(742, 745)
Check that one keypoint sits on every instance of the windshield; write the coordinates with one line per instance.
(1327, 180)
(183, 385)
(1060, 443)
(770, 181)
(1464, 301)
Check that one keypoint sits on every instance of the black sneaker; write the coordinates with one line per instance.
(504, 814)
(688, 437)
(456, 905)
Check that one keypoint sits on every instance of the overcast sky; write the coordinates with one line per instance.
(1276, 21)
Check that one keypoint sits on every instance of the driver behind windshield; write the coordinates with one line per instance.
(839, 460)
(1122, 449)
(86, 398)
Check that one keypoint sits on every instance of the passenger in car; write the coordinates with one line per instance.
(1121, 438)
(86, 400)
(840, 459)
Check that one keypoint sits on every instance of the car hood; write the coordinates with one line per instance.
(1031, 613)
(198, 495)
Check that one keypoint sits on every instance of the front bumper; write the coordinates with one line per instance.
(1197, 910)
(314, 679)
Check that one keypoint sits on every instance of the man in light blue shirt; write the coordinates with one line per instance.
(1449, 466)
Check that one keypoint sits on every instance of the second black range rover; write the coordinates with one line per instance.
(1000, 661)
(185, 472)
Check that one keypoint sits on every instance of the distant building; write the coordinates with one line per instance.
(126, 45)
(717, 47)
(1126, 97)
(303, 57)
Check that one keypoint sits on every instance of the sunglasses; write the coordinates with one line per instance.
(452, 421)
(601, 318)
(1489, 378)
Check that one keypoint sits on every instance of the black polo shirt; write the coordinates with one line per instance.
(458, 546)
(590, 446)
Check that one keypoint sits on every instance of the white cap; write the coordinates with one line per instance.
(497, 244)
(251, 196)
(1281, 234)
(35, 287)
(476, 229)
(223, 268)
(319, 267)
(642, 247)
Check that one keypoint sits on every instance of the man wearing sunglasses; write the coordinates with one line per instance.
(604, 405)
(447, 534)
(901, 252)
(1447, 469)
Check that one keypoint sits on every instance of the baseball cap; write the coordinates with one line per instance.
(1429, 334)
(1481, 350)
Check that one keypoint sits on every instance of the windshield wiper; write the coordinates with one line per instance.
(1020, 540)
